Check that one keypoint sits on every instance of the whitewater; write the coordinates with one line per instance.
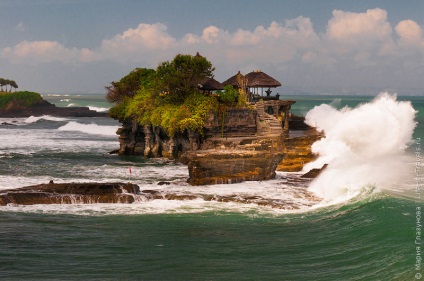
(364, 147)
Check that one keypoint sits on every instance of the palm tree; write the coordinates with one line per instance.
(8, 83)
(2, 83)
(13, 84)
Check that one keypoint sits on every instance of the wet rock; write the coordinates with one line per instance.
(70, 193)
(8, 124)
(314, 172)
(164, 183)
(234, 166)
(298, 149)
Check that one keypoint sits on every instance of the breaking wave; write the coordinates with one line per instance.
(34, 119)
(364, 147)
(89, 128)
(98, 109)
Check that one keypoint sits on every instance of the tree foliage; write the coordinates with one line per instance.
(7, 82)
(228, 96)
(130, 84)
(166, 97)
(180, 77)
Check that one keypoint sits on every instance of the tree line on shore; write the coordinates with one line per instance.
(7, 82)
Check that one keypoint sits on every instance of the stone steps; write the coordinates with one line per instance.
(267, 124)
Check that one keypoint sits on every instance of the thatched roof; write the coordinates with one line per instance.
(210, 84)
(255, 79)
(231, 81)
(259, 79)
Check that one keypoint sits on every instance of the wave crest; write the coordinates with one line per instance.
(89, 128)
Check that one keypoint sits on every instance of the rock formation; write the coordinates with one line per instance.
(127, 193)
(240, 144)
(298, 146)
(237, 144)
(68, 193)
(235, 160)
(16, 110)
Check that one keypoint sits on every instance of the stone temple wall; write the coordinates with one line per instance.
(230, 123)
(153, 142)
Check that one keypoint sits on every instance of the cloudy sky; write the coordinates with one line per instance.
(331, 46)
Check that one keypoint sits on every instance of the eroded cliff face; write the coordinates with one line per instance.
(235, 160)
(298, 150)
(153, 142)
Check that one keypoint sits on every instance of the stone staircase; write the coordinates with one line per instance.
(267, 124)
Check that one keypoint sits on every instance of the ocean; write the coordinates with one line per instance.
(367, 227)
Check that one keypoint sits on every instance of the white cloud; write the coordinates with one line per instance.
(356, 33)
(352, 42)
(410, 33)
(145, 41)
(348, 27)
(39, 52)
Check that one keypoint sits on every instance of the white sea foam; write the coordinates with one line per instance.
(33, 119)
(364, 146)
(98, 109)
(90, 128)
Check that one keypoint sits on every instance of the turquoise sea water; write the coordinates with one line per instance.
(369, 237)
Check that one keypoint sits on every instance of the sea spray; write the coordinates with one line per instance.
(364, 146)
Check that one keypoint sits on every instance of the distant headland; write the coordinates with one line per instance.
(24, 104)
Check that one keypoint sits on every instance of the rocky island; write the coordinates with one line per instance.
(25, 104)
(225, 133)
(224, 137)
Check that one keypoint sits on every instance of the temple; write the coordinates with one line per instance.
(237, 144)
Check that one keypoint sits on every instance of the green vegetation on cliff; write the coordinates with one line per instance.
(23, 98)
(167, 97)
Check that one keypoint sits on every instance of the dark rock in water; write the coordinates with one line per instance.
(164, 183)
(314, 172)
(116, 151)
(7, 124)
(70, 193)
(91, 193)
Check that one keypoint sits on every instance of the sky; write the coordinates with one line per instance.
(310, 46)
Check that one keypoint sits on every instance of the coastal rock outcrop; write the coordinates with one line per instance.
(235, 160)
(16, 110)
(298, 145)
(127, 193)
(69, 193)
(223, 167)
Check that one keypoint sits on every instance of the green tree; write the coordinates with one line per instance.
(180, 77)
(228, 96)
(3, 82)
(128, 86)
(13, 85)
